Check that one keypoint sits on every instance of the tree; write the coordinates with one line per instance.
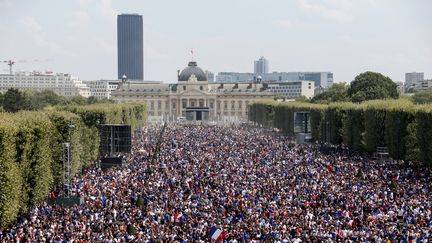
(78, 100)
(39, 100)
(372, 86)
(302, 99)
(14, 100)
(422, 97)
(338, 92)
(92, 100)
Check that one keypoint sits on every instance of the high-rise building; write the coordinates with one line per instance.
(413, 80)
(261, 66)
(130, 46)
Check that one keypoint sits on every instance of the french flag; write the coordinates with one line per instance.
(216, 234)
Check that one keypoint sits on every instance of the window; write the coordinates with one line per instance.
(184, 87)
(201, 87)
(201, 103)
(173, 105)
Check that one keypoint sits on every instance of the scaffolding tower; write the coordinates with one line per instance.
(66, 169)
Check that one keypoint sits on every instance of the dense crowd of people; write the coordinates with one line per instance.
(237, 184)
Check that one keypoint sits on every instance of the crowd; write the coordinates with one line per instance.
(237, 184)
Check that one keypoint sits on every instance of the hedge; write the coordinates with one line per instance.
(31, 158)
(404, 128)
(10, 175)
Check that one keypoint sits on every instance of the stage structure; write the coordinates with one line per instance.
(114, 139)
(302, 127)
(66, 199)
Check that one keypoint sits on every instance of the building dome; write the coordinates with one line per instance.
(192, 68)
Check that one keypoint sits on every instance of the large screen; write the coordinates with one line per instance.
(114, 139)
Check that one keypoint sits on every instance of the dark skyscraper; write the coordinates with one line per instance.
(130, 46)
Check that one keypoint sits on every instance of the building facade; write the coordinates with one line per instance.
(261, 66)
(101, 89)
(320, 79)
(415, 82)
(193, 96)
(292, 89)
(130, 47)
(61, 83)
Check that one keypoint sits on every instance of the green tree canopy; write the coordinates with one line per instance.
(39, 100)
(338, 92)
(422, 97)
(372, 86)
(14, 100)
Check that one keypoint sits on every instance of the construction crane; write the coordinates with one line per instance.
(10, 63)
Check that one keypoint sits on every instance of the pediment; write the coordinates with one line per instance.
(195, 92)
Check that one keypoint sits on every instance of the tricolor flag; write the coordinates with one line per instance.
(176, 217)
(216, 234)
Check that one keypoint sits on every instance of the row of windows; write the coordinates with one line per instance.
(286, 87)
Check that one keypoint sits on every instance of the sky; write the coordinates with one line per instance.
(346, 37)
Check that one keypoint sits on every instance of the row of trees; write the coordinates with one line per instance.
(31, 149)
(365, 86)
(339, 92)
(15, 100)
(400, 125)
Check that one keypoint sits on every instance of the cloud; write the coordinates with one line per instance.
(293, 24)
(345, 38)
(338, 10)
(107, 10)
(5, 3)
(153, 53)
(38, 35)
(105, 46)
(80, 19)
(31, 24)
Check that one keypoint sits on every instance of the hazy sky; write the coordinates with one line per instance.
(346, 37)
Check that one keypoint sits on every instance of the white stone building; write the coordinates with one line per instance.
(193, 97)
(293, 89)
(101, 89)
(61, 83)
